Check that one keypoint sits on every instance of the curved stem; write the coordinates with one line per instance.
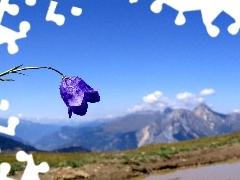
(41, 67)
(16, 70)
(10, 70)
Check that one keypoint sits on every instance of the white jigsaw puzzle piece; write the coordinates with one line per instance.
(4, 105)
(12, 124)
(12, 9)
(232, 8)
(133, 1)
(210, 10)
(8, 35)
(12, 121)
(59, 19)
(31, 171)
(4, 170)
(76, 11)
(30, 2)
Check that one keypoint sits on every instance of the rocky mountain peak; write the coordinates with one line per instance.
(202, 107)
(168, 110)
(202, 111)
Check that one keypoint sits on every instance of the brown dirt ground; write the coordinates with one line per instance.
(113, 170)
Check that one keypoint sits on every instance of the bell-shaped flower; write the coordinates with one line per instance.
(76, 93)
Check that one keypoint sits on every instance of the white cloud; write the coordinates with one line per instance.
(185, 96)
(155, 102)
(207, 92)
(189, 99)
(110, 116)
(236, 110)
(152, 98)
(20, 115)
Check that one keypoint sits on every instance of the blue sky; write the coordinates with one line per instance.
(135, 58)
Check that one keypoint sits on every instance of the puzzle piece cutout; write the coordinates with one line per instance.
(59, 19)
(76, 11)
(8, 35)
(209, 10)
(12, 9)
(4, 170)
(30, 2)
(133, 1)
(31, 171)
(12, 123)
(5, 167)
(4, 105)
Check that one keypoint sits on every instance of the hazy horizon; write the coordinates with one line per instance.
(74, 122)
(135, 58)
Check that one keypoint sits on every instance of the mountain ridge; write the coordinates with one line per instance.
(8, 145)
(138, 129)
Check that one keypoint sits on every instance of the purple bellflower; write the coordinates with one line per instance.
(73, 90)
(76, 93)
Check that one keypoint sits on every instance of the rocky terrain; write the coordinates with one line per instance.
(130, 169)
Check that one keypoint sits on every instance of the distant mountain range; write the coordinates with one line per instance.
(72, 149)
(138, 129)
(132, 130)
(28, 132)
(8, 145)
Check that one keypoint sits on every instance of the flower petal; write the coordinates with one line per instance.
(76, 93)
(80, 110)
(76, 100)
(92, 97)
(69, 112)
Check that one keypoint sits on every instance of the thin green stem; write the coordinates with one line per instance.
(42, 67)
(16, 70)
(10, 70)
